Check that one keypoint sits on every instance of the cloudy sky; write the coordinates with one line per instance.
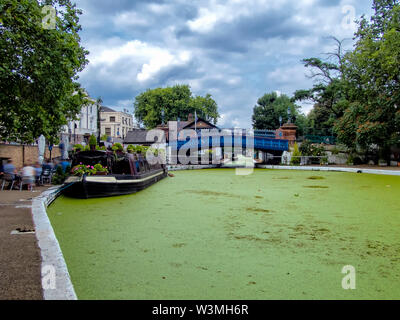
(236, 50)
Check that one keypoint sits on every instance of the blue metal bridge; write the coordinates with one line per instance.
(256, 142)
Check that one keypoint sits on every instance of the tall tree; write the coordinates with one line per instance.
(270, 107)
(372, 115)
(175, 102)
(38, 68)
(329, 92)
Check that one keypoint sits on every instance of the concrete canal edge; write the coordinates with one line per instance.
(51, 254)
(280, 167)
(333, 169)
(179, 167)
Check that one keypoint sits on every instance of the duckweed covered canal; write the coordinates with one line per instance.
(211, 234)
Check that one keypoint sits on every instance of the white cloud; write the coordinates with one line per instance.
(131, 18)
(145, 60)
(151, 47)
(228, 11)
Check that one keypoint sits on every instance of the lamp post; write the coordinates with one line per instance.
(289, 112)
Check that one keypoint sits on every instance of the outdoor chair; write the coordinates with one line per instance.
(26, 180)
(10, 178)
(46, 176)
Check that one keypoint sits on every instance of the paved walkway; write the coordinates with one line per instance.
(20, 260)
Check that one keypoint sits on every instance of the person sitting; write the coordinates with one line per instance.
(38, 172)
(48, 165)
(9, 167)
(64, 165)
(10, 170)
(28, 176)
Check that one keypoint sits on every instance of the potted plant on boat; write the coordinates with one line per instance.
(92, 143)
(100, 170)
(82, 169)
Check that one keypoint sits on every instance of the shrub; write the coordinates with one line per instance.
(350, 160)
(130, 149)
(335, 151)
(60, 176)
(79, 147)
(305, 148)
(92, 140)
(99, 168)
(137, 149)
(117, 147)
(296, 155)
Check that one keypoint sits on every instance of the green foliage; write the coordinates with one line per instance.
(296, 156)
(176, 101)
(82, 169)
(104, 137)
(60, 176)
(358, 94)
(350, 160)
(117, 147)
(99, 168)
(38, 70)
(92, 140)
(137, 149)
(312, 150)
(78, 147)
(372, 114)
(335, 151)
(328, 93)
(270, 107)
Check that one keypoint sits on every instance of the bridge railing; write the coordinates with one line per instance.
(265, 133)
(227, 141)
(320, 139)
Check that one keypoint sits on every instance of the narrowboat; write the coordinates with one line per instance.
(127, 173)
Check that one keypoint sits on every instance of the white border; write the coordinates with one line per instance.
(50, 248)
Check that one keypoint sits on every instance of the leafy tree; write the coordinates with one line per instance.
(38, 69)
(329, 92)
(270, 107)
(175, 102)
(372, 114)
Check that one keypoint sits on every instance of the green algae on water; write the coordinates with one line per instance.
(193, 237)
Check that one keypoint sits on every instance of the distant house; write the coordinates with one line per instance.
(200, 124)
(115, 124)
(137, 137)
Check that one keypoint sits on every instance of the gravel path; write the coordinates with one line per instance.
(20, 261)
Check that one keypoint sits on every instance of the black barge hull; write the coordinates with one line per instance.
(110, 185)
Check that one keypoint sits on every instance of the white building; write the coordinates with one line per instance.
(80, 130)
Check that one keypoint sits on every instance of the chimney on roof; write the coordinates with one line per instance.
(190, 117)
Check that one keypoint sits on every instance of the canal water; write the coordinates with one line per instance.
(212, 234)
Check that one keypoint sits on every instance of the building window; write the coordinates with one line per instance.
(112, 119)
(108, 131)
